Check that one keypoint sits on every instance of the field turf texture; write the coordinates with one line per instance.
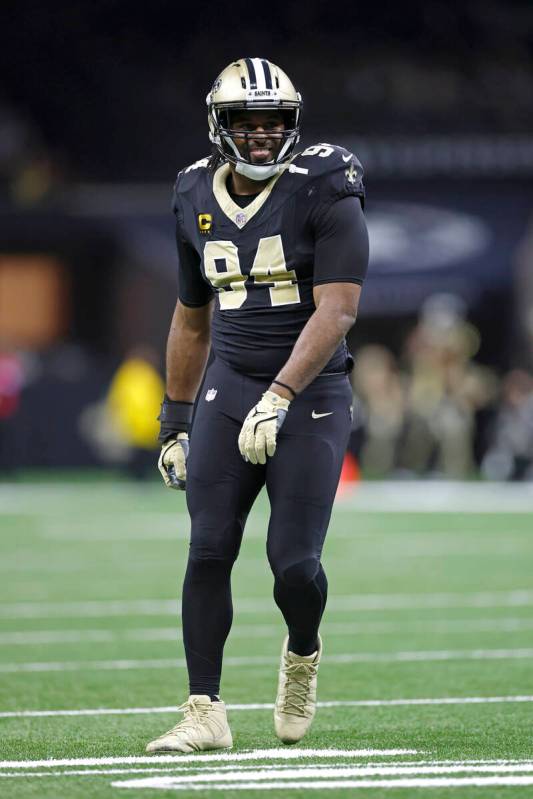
(426, 683)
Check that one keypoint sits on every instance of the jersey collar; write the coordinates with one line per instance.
(239, 216)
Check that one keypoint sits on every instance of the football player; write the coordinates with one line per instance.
(273, 250)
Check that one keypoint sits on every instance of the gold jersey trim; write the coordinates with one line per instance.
(239, 216)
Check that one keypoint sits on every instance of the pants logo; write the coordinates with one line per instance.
(211, 394)
(316, 415)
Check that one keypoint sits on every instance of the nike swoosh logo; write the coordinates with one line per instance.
(347, 158)
(316, 415)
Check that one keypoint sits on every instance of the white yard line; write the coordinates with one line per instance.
(425, 542)
(266, 660)
(89, 772)
(227, 771)
(92, 608)
(221, 757)
(102, 608)
(265, 767)
(237, 774)
(40, 637)
(379, 770)
(459, 599)
(168, 783)
(132, 711)
(49, 637)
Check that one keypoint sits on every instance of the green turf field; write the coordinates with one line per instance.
(431, 598)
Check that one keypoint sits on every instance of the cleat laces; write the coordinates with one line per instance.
(195, 713)
(299, 676)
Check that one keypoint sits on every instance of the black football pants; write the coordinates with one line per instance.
(301, 480)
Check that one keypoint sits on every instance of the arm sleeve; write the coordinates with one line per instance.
(193, 291)
(341, 243)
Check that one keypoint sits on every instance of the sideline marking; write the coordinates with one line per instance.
(132, 711)
(102, 608)
(255, 754)
(416, 656)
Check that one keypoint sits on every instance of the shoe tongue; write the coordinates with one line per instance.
(302, 658)
(200, 699)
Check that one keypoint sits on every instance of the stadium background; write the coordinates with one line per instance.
(426, 679)
(102, 102)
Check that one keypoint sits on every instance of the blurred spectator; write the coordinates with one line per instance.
(423, 420)
(124, 427)
(379, 386)
(11, 383)
(14, 144)
(446, 389)
(511, 455)
(29, 173)
(524, 297)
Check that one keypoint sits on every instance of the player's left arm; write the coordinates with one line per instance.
(335, 314)
(341, 262)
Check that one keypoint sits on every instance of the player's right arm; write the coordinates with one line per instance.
(188, 347)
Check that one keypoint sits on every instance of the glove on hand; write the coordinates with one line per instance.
(173, 460)
(257, 438)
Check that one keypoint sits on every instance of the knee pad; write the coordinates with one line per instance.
(212, 542)
(298, 573)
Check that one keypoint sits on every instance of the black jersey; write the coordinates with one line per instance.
(304, 228)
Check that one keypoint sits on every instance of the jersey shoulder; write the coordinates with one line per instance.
(334, 171)
(194, 178)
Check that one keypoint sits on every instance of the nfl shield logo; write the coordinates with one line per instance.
(211, 394)
(240, 219)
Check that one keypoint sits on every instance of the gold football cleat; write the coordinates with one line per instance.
(296, 700)
(204, 726)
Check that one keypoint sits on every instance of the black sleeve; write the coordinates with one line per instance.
(193, 290)
(341, 243)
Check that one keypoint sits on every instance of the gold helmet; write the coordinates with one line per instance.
(253, 83)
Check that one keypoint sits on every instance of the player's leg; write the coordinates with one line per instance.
(302, 479)
(221, 489)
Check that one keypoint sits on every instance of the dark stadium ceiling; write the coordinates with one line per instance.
(115, 90)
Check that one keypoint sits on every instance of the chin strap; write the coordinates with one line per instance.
(255, 172)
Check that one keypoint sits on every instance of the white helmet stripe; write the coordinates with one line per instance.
(259, 73)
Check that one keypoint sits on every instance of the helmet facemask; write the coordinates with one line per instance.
(223, 136)
(238, 89)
